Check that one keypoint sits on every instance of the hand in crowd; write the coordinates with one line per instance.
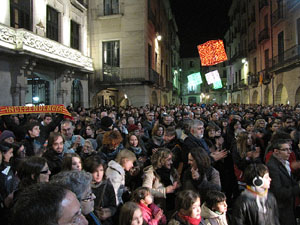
(217, 155)
(103, 213)
(172, 188)
(76, 143)
(295, 165)
(159, 214)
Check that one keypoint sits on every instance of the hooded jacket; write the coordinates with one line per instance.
(212, 218)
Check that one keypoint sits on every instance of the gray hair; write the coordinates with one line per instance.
(66, 122)
(75, 181)
(196, 123)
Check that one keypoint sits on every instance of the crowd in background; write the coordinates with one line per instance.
(177, 164)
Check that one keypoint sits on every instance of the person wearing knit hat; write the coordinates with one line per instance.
(7, 136)
(106, 123)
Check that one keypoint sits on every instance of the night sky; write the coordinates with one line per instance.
(199, 21)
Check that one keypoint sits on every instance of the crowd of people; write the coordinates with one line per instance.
(178, 164)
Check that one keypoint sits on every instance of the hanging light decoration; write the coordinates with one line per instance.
(212, 52)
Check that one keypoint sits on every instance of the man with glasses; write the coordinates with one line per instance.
(149, 122)
(283, 185)
(46, 204)
(79, 182)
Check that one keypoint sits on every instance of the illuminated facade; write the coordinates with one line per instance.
(44, 53)
(263, 47)
(135, 50)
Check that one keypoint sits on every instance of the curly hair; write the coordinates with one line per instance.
(158, 158)
(112, 137)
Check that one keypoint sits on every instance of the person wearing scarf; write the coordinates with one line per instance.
(213, 210)
(188, 210)
(256, 206)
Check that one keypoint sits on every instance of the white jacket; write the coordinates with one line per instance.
(116, 174)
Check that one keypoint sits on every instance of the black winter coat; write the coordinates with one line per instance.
(285, 189)
(245, 211)
(54, 161)
(105, 191)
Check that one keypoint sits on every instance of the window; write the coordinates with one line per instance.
(75, 35)
(111, 54)
(266, 59)
(111, 7)
(254, 65)
(20, 14)
(52, 24)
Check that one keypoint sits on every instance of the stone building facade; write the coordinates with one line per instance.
(263, 45)
(44, 55)
(135, 50)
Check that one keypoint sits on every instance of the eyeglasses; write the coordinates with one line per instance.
(78, 218)
(89, 197)
(286, 149)
(45, 171)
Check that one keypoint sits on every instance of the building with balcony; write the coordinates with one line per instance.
(135, 50)
(269, 72)
(44, 52)
(192, 92)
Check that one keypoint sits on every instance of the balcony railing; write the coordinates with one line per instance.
(116, 75)
(24, 41)
(262, 4)
(278, 15)
(287, 58)
(253, 80)
(153, 77)
(263, 35)
(266, 76)
(252, 45)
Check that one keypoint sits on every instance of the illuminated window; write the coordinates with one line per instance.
(75, 28)
(20, 14)
(111, 54)
(111, 7)
(52, 24)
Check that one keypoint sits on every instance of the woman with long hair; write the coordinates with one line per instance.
(201, 176)
(105, 202)
(162, 178)
(244, 153)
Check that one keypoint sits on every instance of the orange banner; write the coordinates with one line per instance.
(9, 110)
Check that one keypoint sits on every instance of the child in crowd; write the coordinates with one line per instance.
(214, 209)
(152, 214)
(131, 214)
(256, 206)
(188, 209)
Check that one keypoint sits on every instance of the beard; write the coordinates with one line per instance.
(198, 136)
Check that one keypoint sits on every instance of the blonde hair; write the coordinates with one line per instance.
(158, 158)
(125, 154)
(241, 143)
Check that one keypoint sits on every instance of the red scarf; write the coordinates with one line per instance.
(189, 219)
